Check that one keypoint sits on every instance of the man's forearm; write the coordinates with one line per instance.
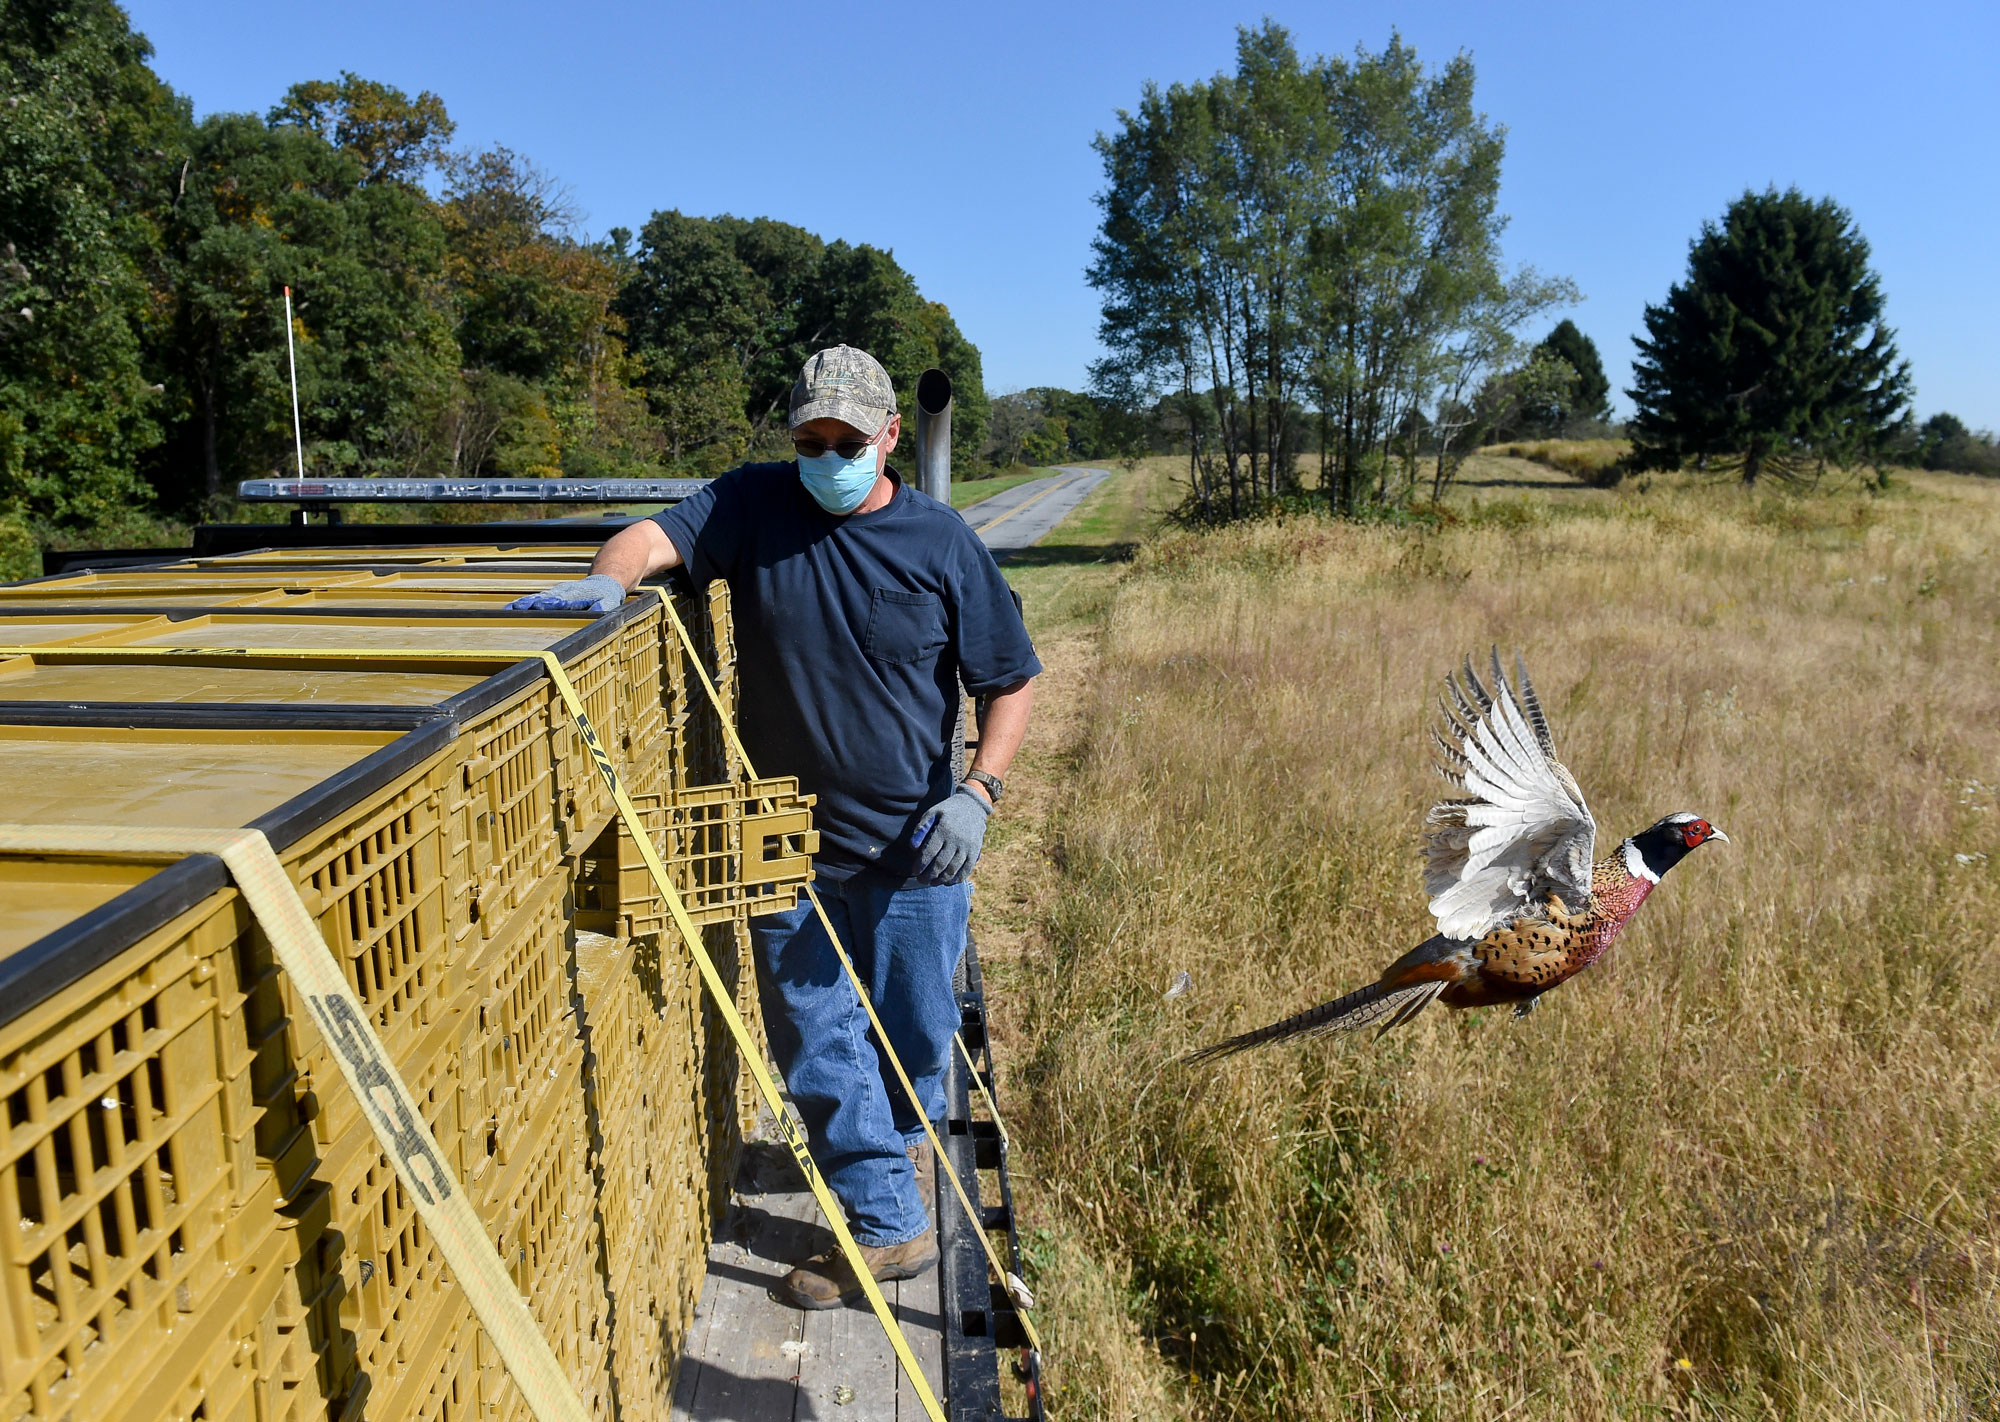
(1005, 727)
(635, 553)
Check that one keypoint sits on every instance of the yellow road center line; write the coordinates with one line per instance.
(1028, 503)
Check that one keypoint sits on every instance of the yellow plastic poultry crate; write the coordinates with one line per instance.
(238, 1246)
(525, 1035)
(653, 679)
(642, 1016)
(527, 745)
(131, 1174)
(730, 850)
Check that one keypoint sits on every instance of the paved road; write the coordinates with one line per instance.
(1008, 522)
(1026, 513)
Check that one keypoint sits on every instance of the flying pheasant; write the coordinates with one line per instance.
(1520, 905)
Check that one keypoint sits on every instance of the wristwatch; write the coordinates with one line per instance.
(992, 784)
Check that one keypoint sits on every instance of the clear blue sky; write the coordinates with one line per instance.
(965, 131)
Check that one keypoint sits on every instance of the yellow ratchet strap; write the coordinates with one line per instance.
(980, 1082)
(787, 1125)
(725, 1003)
(386, 1102)
(1016, 1289)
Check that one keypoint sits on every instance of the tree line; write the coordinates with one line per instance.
(1046, 424)
(1299, 264)
(1301, 278)
(450, 317)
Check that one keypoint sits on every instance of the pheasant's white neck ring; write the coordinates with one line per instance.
(1635, 863)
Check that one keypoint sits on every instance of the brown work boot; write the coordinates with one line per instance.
(827, 1280)
(925, 1160)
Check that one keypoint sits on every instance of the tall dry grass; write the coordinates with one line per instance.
(1748, 1165)
(1594, 461)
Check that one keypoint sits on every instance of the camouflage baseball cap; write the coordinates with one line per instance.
(845, 384)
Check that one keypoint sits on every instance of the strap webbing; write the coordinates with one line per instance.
(386, 1103)
(725, 1004)
(788, 1125)
(1016, 1290)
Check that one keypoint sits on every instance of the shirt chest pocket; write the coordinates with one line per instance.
(904, 627)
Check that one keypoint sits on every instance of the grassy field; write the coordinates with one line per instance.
(1595, 461)
(1746, 1166)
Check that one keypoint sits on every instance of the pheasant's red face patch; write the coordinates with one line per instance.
(1696, 832)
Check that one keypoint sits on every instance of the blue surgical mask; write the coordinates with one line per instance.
(839, 485)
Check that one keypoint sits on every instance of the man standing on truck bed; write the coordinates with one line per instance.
(861, 608)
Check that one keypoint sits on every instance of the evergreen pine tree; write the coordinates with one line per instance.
(1773, 347)
(1593, 386)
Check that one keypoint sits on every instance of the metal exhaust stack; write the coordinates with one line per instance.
(934, 435)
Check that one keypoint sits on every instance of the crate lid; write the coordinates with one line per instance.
(476, 633)
(154, 776)
(39, 896)
(405, 553)
(45, 629)
(555, 565)
(181, 575)
(392, 599)
(25, 680)
(62, 917)
(42, 597)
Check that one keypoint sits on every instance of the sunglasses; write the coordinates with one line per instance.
(811, 448)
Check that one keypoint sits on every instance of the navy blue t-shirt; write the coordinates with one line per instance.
(852, 637)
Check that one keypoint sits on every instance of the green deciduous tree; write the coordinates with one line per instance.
(720, 313)
(1413, 309)
(88, 147)
(143, 260)
(529, 299)
(546, 372)
(1487, 379)
(1046, 423)
(390, 134)
(1943, 442)
(1773, 350)
(1324, 231)
(264, 206)
(1202, 255)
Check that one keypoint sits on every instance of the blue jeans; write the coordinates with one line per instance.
(905, 944)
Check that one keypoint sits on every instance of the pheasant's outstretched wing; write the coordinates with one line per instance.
(1521, 831)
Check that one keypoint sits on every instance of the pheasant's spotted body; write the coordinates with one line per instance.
(1615, 895)
(1532, 954)
(1504, 863)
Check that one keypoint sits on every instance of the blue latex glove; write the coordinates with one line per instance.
(600, 592)
(951, 836)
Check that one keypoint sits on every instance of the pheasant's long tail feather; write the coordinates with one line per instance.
(1364, 1007)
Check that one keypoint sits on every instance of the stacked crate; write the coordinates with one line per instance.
(206, 1226)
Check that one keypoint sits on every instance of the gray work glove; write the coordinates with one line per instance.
(950, 837)
(600, 592)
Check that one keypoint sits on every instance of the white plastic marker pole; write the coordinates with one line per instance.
(292, 357)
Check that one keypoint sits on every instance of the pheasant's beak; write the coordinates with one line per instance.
(1715, 832)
